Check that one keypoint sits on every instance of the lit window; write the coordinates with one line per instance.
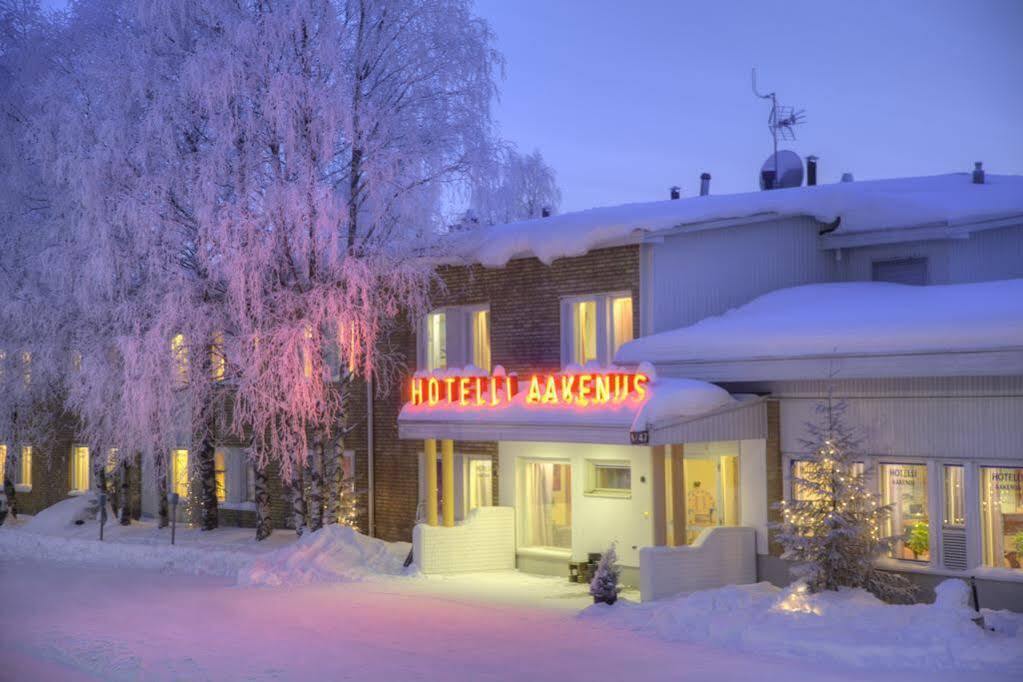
(954, 504)
(179, 472)
(584, 332)
(802, 470)
(436, 341)
(479, 484)
(480, 333)
(307, 354)
(621, 322)
(179, 353)
(3, 462)
(79, 468)
(904, 487)
(547, 505)
(1001, 506)
(594, 327)
(26, 465)
(608, 478)
(220, 474)
(218, 361)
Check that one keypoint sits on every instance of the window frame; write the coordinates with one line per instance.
(590, 488)
(459, 336)
(605, 341)
(73, 482)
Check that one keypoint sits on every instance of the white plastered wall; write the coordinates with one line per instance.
(596, 520)
(753, 488)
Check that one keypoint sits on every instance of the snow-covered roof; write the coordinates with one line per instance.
(850, 318)
(862, 206)
(666, 398)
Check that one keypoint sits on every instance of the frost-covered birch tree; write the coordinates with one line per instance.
(248, 193)
(512, 186)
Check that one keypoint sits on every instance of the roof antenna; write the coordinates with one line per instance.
(782, 120)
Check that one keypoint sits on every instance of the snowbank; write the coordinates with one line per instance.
(332, 554)
(63, 515)
(848, 318)
(850, 627)
(862, 206)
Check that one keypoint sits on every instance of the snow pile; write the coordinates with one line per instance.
(848, 318)
(64, 515)
(333, 554)
(850, 627)
(862, 206)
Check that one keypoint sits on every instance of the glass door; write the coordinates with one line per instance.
(712, 492)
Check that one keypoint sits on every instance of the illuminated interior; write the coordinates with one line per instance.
(220, 474)
(436, 341)
(480, 322)
(546, 493)
(904, 487)
(711, 490)
(621, 318)
(26, 465)
(179, 352)
(79, 468)
(1001, 490)
(179, 472)
(479, 484)
(218, 361)
(584, 328)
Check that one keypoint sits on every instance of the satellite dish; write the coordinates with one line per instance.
(782, 169)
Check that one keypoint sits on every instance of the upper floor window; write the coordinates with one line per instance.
(594, 327)
(901, 271)
(218, 359)
(179, 353)
(455, 336)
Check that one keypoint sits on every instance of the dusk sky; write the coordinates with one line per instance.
(626, 104)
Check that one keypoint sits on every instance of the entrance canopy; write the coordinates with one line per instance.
(591, 405)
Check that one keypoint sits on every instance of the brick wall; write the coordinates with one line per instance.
(525, 331)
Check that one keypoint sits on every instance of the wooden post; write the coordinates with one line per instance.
(447, 471)
(678, 496)
(657, 495)
(430, 469)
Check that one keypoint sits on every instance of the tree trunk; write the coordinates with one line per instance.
(314, 474)
(125, 495)
(9, 490)
(161, 492)
(99, 481)
(264, 521)
(299, 514)
(208, 485)
(332, 453)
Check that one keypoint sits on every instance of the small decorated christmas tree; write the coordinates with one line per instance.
(833, 529)
(604, 586)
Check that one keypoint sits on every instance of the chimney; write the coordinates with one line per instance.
(847, 177)
(545, 212)
(676, 192)
(978, 173)
(811, 170)
(704, 184)
(767, 178)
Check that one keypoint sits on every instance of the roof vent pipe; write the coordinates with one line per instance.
(704, 184)
(811, 170)
(545, 212)
(978, 173)
(847, 177)
(676, 192)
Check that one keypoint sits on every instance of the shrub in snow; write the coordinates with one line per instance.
(604, 586)
(832, 527)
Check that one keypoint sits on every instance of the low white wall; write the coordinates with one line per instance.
(720, 556)
(485, 541)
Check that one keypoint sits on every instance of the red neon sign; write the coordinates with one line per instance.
(541, 389)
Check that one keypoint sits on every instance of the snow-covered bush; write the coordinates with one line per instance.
(604, 586)
(832, 528)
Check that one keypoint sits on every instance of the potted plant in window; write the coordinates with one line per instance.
(919, 540)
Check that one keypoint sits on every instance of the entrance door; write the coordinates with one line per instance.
(711, 491)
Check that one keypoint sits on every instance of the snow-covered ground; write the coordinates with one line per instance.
(338, 605)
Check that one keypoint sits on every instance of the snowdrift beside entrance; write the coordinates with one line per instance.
(850, 627)
(63, 515)
(332, 554)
